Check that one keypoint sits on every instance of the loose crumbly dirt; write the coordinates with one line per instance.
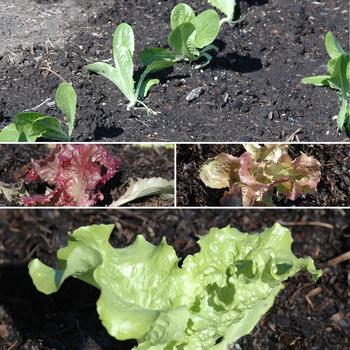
(252, 89)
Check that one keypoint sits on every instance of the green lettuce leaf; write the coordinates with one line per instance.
(332, 45)
(181, 39)
(66, 100)
(267, 152)
(220, 171)
(153, 54)
(28, 126)
(207, 26)
(217, 296)
(241, 274)
(181, 13)
(146, 187)
(225, 6)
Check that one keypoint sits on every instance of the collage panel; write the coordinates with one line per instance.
(278, 174)
(85, 175)
(193, 269)
(176, 71)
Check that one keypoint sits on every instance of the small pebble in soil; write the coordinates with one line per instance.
(194, 93)
(237, 104)
(245, 108)
(91, 345)
(247, 138)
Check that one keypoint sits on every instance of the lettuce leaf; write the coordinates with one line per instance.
(76, 171)
(253, 176)
(217, 296)
(146, 187)
(11, 190)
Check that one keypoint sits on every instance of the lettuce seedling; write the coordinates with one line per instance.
(339, 68)
(29, 126)
(122, 74)
(217, 296)
(191, 36)
(76, 171)
(253, 176)
(191, 33)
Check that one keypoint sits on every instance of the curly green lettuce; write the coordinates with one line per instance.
(217, 296)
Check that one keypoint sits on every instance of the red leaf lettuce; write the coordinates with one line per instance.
(252, 176)
(76, 171)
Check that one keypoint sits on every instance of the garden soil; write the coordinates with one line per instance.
(305, 315)
(251, 90)
(135, 163)
(332, 190)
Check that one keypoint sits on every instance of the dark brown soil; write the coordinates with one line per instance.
(252, 87)
(135, 162)
(332, 190)
(68, 318)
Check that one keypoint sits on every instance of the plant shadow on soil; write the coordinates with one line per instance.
(256, 74)
(60, 312)
(64, 320)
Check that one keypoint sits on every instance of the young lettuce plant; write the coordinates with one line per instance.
(339, 68)
(252, 177)
(217, 296)
(122, 74)
(29, 126)
(191, 36)
(77, 172)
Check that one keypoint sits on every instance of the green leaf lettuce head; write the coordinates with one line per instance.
(217, 296)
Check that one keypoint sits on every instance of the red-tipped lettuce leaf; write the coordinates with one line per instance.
(220, 171)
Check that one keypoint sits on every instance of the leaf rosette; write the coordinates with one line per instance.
(191, 36)
(214, 298)
(77, 172)
(252, 177)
